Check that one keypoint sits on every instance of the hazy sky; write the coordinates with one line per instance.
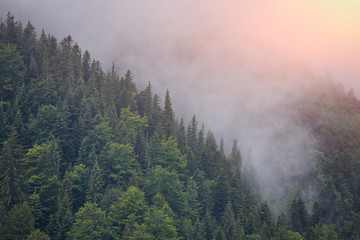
(323, 34)
(230, 62)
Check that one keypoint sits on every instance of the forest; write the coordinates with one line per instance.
(84, 154)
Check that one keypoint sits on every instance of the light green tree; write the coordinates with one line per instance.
(90, 223)
(118, 162)
(128, 210)
(38, 235)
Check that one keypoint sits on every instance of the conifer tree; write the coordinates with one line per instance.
(86, 65)
(192, 133)
(12, 34)
(168, 118)
(180, 137)
(64, 215)
(95, 185)
(28, 44)
(11, 182)
(235, 156)
(298, 214)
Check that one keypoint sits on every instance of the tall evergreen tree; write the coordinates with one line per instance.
(12, 34)
(192, 133)
(168, 117)
(11, 175)
(64, 215)
(86, 65)
(235, 156)
(181, 137)
(95, 184)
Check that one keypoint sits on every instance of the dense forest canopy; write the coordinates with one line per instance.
(84, 154)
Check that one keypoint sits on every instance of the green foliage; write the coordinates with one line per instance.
(168, 118)
(11, 175)
(299, 217)
(90, 223)
(294, 235)
(18, 223)
(78, 180)
(42, 162)
(44, 126)
(169, 156)
(38, 235)
(158, 222)
(95, 184)
(129, 125)
(12, 72)
(280, 234)
(160, 180)
(118, 161)
(127, 210)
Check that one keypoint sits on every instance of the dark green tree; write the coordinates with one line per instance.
(12, 34)
(12, 72)
(78, 180)
(181, 137)
(18, 223)
(95, 185)
(64, 214)
(11, 174)
(168, 117)
(298, 214)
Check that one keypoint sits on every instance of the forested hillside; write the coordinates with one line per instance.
(86, 155)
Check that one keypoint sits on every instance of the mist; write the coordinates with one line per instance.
(232, 63)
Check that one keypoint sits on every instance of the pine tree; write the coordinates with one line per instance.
(86, 65)
(229, 223)
(222, 147)
(127, 92)
(51, 159)
(12, 35)
(11, 174)
(155, 116)
(298, 214)
(192, 133)
(64, 216)
(315, 215)
(168, 118)
(181, 138)
(28, 44)
(12, 71)
(235, 156)
(95, 185)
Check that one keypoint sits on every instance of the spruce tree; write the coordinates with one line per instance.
(95, 185)
(64, 215)
(11, 174)
(181, 138)
(168, 117)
